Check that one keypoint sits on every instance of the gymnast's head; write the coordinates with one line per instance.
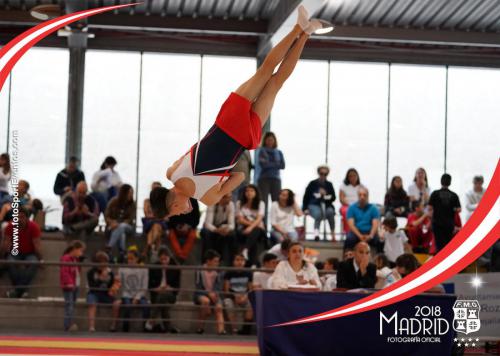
(169, 202)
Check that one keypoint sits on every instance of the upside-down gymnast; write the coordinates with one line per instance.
(204, 172)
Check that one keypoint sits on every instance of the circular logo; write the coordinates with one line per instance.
(14, 252)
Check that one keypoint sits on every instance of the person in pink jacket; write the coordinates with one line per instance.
(70, 281)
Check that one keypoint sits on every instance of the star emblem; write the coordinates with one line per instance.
(466, 344)
(470, 339)
(459, 345)
(473, 344)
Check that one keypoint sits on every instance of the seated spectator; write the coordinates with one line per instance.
(5, 175)
(283, 212)
(363, 219)
(348, 194)
(474, 196)
(419, 189)
(245, 166)
(207, 295)
(250, 228)
(134, 283)
(280, 250)
(164, 286)
(318, 201)
(396, 202)
(153, 228)
(348, 253)
(69, 277)
(419, 229)
(271, 161)
(260, 279)
(384, 271)
(120, 218)
(357, 272)
(183, 230)
(407, 264)
(329, 281)
(68, 178)
(294, 271)
(32, 205)
(103, 289)
(395, 241)
(218, 230)
(237, 285)
(443, 205)
(80, 213)
(26, 248)
(105, 182)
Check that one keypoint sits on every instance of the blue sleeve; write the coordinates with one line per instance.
(350, 211)
(282, 160)
(375, 212)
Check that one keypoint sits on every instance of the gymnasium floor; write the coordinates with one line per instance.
(126, 345)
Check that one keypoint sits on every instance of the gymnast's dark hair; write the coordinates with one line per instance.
(158, 200)
(256, 200)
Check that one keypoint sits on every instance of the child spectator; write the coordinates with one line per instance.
(269, 261)
(396, 201)
(208, 287)
(419, 229)
(103, 289)
(385, 274)
(329, 281)
(396, 241)
(164, 284)
(280, 250)
(182, 232)
(283, 212)
(70, 281)
(134, 289)
(153, 228)
(237, 285)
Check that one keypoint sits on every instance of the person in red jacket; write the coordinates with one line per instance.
(70, 281)
(419, 229)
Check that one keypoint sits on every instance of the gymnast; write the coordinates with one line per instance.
(204, 172)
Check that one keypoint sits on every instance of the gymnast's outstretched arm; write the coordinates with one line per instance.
(224, 188)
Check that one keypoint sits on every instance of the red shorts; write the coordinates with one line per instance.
(237, 119)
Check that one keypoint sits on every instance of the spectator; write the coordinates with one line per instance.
(443, 204)
(80, 213)
(134, 290)
(280, 250)
(5, 175)
(25, 200)
(294, 271)
(120, 218)
(384, 272)
(363, 219)
(103, 289)
(218, 230)
(473, 196)
(164, 286)
(395, 241)
(348, 253)
(207, 294)
(348, 194)
(419, 189)
(405, 265)
(245, 166)
(357, 272)
(106, 182)
(26, 248)
(318, 201)
(182, 234)
(153, 228)
(396, 202)
(68, 178)
(419, 229)
(237, 285)
(283, 212)
(249, 216)
(271, 162)
(329, 280)
(70, 281)
(260, 279)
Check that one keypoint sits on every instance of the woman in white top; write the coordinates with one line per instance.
(5, 174)
(294, 271)
(106, 182)
(348, 194)
(283, 212)
(419, 189)
(249, 216)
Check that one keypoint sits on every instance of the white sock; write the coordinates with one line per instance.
(314, 25)
(303, 18)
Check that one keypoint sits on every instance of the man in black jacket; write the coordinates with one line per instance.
(163, 285)
(68, 178)
(357, 272)
(318, 201)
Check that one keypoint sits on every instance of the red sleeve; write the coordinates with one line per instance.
(9, 230)
(65, 275)
(35, 232)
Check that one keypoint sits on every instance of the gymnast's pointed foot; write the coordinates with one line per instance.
(303, 18)
(318, 27)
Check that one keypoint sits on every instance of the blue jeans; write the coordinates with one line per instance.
(22, 275)
(126, 303)
(317, 213)
(351, 240)
(69, 306)
(277, 236)
(120, 235)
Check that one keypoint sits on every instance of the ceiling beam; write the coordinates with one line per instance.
(283, 20)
